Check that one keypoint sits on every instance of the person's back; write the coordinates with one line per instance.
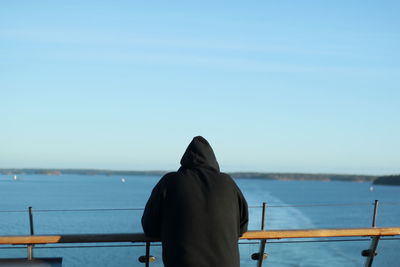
(198, 212)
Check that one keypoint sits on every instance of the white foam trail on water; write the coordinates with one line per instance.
(278, 217)
(286, 217)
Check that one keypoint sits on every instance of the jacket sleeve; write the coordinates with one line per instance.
(244, 213)
(152, 215)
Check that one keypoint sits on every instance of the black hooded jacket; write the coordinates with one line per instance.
(198, 212)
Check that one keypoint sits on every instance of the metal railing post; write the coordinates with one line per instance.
(371, 252)
(375, 213)
(261, 254)
(30, 246)
(147, 264)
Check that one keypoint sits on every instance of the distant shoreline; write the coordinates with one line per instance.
(245, 175)
(388, 180)
(77, 171)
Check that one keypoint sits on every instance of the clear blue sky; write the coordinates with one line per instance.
(275, 86)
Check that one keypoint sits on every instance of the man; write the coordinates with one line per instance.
(198, 212)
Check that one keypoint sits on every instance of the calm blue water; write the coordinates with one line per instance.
(99, 192)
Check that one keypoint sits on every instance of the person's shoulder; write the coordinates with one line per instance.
(226, 177)
(229, 180)
(169, 175)
(166, 179)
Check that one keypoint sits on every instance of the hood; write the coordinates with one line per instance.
(199, 153)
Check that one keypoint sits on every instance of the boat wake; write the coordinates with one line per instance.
(293, 252)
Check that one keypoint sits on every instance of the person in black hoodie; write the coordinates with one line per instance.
(198, 212)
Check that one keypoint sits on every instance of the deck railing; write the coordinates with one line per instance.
(262, 235)
(250, 235)
(375, 232)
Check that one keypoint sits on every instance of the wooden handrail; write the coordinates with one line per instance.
(314, 233)
(250, 235)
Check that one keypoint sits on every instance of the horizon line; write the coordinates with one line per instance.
(166, 171)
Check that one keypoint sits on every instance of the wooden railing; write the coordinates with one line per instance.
(374, 232)
(250, 235)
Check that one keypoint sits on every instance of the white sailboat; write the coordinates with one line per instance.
(15, 178)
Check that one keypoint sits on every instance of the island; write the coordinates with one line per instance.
(388, 180)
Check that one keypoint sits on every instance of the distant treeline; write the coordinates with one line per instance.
(246, 175)
(381, 180)
(388, 180)
(305, 176)
(77, 172)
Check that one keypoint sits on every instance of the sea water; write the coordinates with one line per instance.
(113, 204)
